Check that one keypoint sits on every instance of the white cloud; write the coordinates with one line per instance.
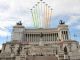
(72, 20)
(0, 46)
(19, 8)
(15, 10)
(4, 33)
(78, 27)
(65, 6)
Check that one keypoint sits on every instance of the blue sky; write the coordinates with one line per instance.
(12, 11)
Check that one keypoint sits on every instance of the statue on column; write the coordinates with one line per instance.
(27, 52)
(18, 50)
(66, 56)
(41, 34)
(56, 51)
(11, 50)
(41, 39)
(65, 50)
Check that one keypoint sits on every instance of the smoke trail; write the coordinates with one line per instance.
(33, 17)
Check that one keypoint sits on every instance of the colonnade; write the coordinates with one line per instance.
(36, 37)
(64, 35)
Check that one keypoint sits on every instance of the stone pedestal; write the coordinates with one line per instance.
(66, 57)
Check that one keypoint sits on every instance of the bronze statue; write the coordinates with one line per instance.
(61, 22)
(19, 23)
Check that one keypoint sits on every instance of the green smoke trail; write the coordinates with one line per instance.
(40, 19)
(37, 16)
(33, 17)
